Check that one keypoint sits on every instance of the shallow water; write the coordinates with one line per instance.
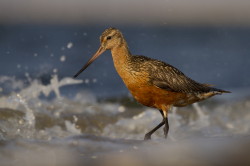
(39, 125)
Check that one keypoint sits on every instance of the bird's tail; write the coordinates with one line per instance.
(219, 91)
(216, 90)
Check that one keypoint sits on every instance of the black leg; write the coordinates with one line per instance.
(148, 135)
(166, 128)
(161, 113)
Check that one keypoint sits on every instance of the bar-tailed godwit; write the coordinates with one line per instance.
(152, 83)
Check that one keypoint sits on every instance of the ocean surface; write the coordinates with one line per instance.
(48, 118)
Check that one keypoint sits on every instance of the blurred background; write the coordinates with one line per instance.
(43, 43)
(208, 40)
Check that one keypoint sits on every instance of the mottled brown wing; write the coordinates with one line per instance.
(167, 77)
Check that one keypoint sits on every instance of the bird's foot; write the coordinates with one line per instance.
(147, 136)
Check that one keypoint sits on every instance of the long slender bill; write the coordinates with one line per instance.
(96, 55)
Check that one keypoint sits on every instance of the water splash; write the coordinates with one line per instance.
(175, 121)
(82, 113)
(71, 127)
(29, 113)
(28, 101)
(202, 121)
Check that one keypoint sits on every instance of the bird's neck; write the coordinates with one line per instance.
(122, 61)
(121, 55)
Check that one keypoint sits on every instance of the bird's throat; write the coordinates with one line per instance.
(121, 56)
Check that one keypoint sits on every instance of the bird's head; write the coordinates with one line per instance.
(110, 38)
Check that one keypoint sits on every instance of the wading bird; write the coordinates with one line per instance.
(152, 83)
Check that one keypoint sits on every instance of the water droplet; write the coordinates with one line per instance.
(69, 45)
(18, 66)
(86, 81)
(62, 58)
(54, 70)
(75, 118)
(121, 109)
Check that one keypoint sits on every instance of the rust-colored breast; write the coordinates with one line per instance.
(152, 96)
(146, 94)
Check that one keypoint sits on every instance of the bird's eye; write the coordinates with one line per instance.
(109, 37)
